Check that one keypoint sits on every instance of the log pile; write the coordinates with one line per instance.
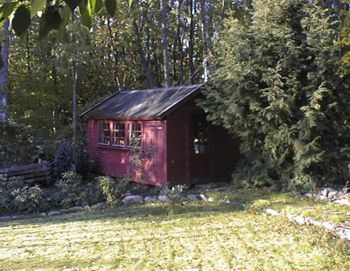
(31, 174)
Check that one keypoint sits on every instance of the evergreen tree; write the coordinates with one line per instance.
(276, 88)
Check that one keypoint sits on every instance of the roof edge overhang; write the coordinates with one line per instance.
(97, 104)
(159, 116)
(124, 118)
(175, 106)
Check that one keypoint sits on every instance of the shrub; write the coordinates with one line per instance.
(63, 159)
(5, 200)
(70, 184)
(15, 183)
(16, 144)
(252, 174)
(75, 192)
(28, 199)
(6, 197)
(277, 88)
(113, 189)
(174, 195)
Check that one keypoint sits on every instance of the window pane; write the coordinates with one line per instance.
(200, 141)
(104, 133)
(118, 134)
(134, 135)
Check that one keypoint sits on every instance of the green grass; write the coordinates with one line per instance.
(199, 236)
(288, 203)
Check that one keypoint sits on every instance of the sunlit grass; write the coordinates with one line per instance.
(289, 203)
(199, 236)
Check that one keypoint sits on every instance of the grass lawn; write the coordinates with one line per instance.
(199, 236)
(289, 203)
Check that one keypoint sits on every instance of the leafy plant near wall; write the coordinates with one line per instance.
(112, 189)
(75, 191)
(139, 158)
(174, 195)
(28, 199)
(277, 89)
(63, 158)
(17, 196)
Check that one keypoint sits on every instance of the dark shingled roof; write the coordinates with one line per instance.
(141, 104)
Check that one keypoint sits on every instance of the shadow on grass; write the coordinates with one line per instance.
(229, 202)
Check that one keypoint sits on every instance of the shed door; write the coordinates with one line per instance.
(154, 149)
(200, 158)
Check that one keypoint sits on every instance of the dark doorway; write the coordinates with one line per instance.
(200, 151)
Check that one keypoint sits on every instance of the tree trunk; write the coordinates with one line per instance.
(205, 38)
(74, 113)
(4, 72)
(179, 43)
(145, 65)
(192, 7)
(164, 5)
(115, 55)
(56, 106)
(74, 107)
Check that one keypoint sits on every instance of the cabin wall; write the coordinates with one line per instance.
(116, 161)
(187, 167)
(178, 143)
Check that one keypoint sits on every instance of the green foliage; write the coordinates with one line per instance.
(276, 88)
(75, 191)
(21, 20)
(109, 56)
(36, 5)
(5, 199)
(16, 196)
(73, 4)
(28, 199)
(174, 195)
(16, 144)
(15, 183)
(111, 6)
(112, 189)
(252, 173)
(51, 18)
(64, 158)
(70, 190)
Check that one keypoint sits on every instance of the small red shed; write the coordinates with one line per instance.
(159, 136)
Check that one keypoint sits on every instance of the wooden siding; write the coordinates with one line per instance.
(186, 167)
(116, 161)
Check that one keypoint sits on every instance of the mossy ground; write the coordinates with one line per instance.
(198, 236)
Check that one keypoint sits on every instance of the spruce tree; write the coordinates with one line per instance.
(277, 89)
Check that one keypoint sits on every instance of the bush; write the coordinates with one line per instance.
(278, 89)
(113, 189)
(16, 196)
(70, 185)
(75, 192)
(252, 174)
(63, 159)
(28, 199)
(16, 144)
(174, 196)
(5, 200)
(7, 203)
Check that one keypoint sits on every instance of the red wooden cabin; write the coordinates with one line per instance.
(159, 136)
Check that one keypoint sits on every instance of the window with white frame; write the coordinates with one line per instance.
(134, 135)
(118, 134)
(104, 134)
